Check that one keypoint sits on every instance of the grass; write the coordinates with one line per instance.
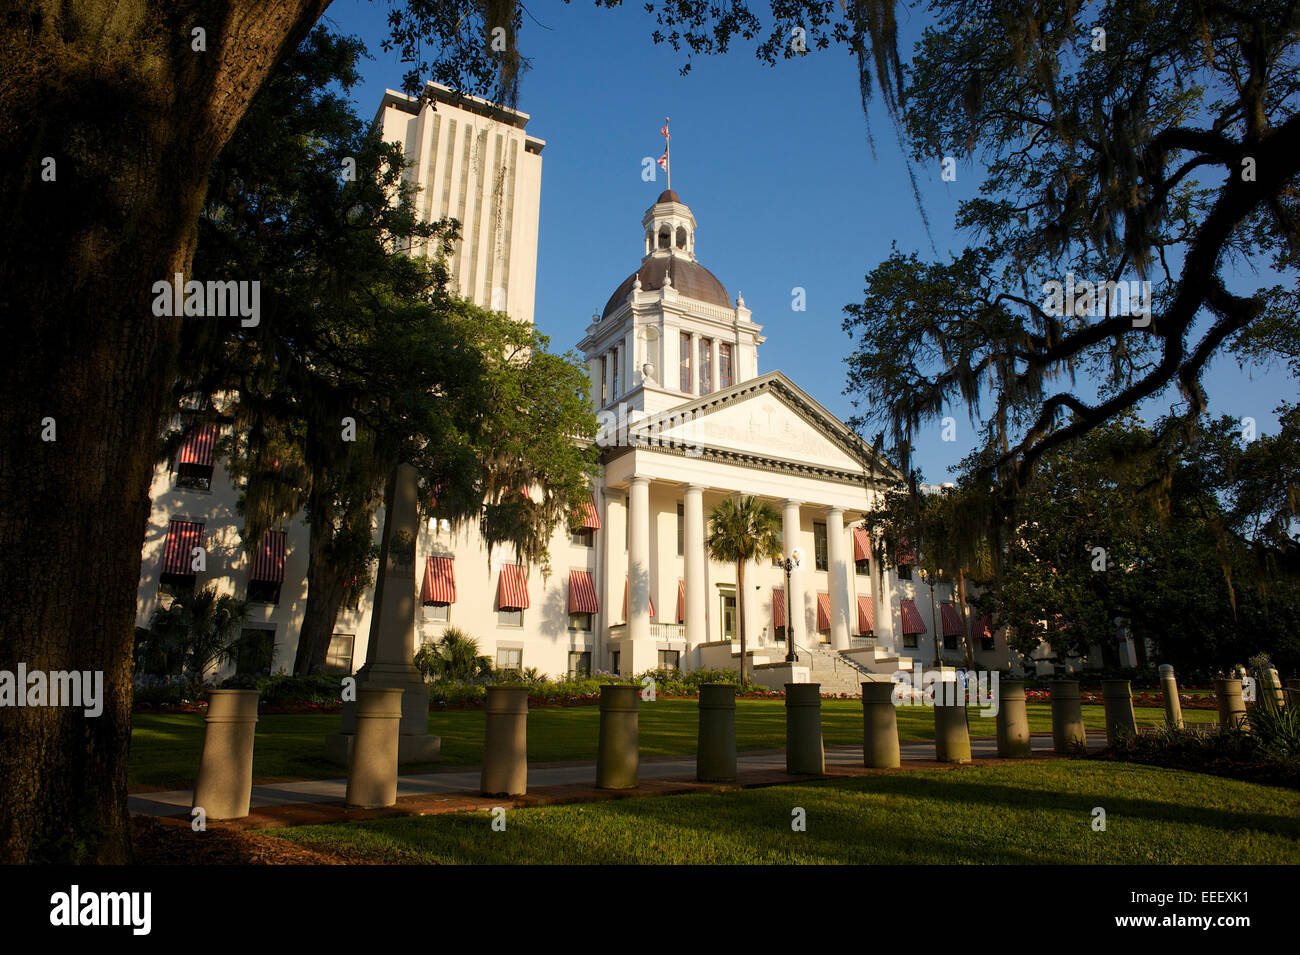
(1039, 812)
(165, 747)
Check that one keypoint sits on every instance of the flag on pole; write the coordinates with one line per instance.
(663, 160)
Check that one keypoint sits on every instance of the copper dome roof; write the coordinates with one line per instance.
(667, 196)
(690, 279)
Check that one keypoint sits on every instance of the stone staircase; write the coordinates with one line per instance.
(839, 674)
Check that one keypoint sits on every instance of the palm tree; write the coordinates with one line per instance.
(741, 529)
(198, 629)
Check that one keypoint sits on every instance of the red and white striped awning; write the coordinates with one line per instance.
(590, 519)
(866, 615)
(778, 607)
(861, 544)
(912, 622)
(268, 561)
(823, 611)
(950, 620)
(512, 588)
(582, 592)
(681, 601)
(651, 596)
(182, 538)
(196, 448)
(440, 581)
(982, 627)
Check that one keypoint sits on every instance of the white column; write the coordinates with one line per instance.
(695, 561)
(615, 563)
(838, 578)
(797, 621)
(638, 561)
(714, 351)
(695, 363)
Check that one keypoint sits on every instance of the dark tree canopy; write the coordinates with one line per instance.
(1155, 142)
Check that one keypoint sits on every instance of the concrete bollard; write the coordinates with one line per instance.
(1120, 720)
(1013, 721)
(224, 788)
(715, 751)
(804, 754)
(372, 770)
(1232, 709)
(1068, 735)
(618, 756)
(505, 742)
(1270, 686)
(1169, 687)
(879, 726)
(951, 736)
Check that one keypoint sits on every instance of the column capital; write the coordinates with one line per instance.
(791, 502)
(835, 509)
(638, 479)
(700, 488)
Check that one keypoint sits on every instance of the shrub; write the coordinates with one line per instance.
(287, 690)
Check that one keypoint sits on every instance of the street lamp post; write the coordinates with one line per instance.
(929, 578)
(792, 563)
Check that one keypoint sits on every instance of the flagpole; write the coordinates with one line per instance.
(668, 152)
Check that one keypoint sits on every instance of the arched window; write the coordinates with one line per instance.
(681, 237)
(665, 237)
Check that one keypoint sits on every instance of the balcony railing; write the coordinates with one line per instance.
(675, 632)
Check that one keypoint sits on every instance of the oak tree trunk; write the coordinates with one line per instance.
(109, 120)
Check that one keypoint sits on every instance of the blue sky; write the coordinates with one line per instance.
(775, 164)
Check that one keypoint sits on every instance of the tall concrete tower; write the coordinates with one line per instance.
(473, 161)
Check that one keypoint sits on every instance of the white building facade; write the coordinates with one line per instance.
(687, 420)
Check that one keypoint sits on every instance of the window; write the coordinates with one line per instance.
(862, 567)
(904, 571)
(685, 361)
(614, 662)
(338, 658)
(728, 616)
(195, 477)
(510, 659)
(579, 664)
(681, 529)
(264, 591)
(779, 632)
(986, 644)
(706, 365)
(669, 659)
(616, 391)
(950, 641)
(510, 617)
(819, 546)
(582, 537)
(437, 612)
(580, 620)
(173, 584)
(724, 366)
(255, 652)
(909, 641)
(604, 380)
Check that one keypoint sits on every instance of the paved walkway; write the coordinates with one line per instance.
(457, 788)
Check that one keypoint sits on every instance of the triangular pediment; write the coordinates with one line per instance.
(769, 418)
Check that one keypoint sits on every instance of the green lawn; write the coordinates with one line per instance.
(1038, 812)
(165, 747)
